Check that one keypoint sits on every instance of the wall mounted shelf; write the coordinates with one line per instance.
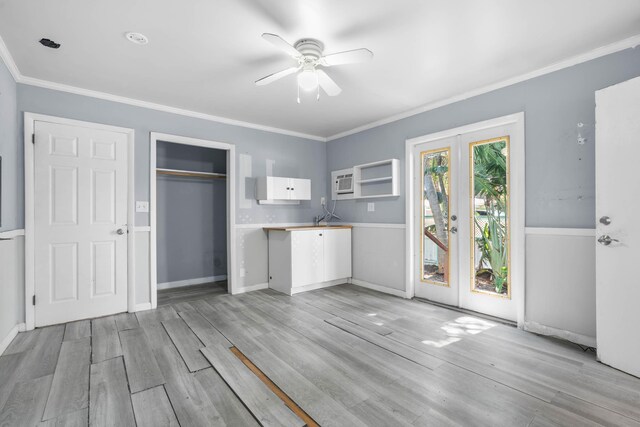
(376, 180)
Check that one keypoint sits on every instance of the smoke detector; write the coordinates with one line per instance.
(137, 38)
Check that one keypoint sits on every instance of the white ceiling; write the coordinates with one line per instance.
(204, 55)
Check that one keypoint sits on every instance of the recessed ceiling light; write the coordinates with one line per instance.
(137, 38)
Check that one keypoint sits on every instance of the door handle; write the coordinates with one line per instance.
(453, 230)
(120, 231)
(606, 240)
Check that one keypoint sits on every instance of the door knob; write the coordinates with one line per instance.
(606, 240)
(453, 217)
(454, 230)
(605, 220)
(120, 231)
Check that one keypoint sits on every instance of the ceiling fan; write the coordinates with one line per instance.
(308, 54)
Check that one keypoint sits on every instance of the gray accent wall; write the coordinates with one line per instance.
(191, 214)
(560, 174)
(278, 154)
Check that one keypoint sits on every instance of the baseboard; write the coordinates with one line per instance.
(320, 285)
(537, 328)
(250, 288)
(190, 282)
(143, 307)
(383, 289)
(20, 327)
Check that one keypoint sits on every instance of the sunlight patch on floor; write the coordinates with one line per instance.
(459, 328)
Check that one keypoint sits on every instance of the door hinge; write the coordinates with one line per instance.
(34, 300)
(33, 138)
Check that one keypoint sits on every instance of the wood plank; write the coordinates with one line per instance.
(10, 372)
(231, 409)
(203, 329)
(365, 323)
(126, 321)
(187, 343)
(77, 330)
(263, 404)
(151, 322)
(26, 402)
(153, 409)
(110, 398)
(24, 341)
(42, 359)
(188, 398)
(142, 369)
(70, 387)
(73, 419)
(105, 339)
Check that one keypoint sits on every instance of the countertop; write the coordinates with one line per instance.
(308, 227)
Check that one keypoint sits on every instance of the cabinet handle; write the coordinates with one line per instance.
(320, 234)
(288, 188)
(292, 188)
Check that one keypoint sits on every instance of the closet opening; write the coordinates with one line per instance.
(191, 218)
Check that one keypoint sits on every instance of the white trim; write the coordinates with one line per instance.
(20, 327)
(191, 282)
(251, 288)
(29, 189)
(379, 288)
(231, 206)
(517, 198)
(142, 228)
(143, 306)
(10, 234)
(630, 42)
(320, 285)
(573, 337)
(6, 57)
(586, 232)
(375, 225)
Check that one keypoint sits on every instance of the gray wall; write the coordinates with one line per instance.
(290, 156)
(191, 216)
(560, 174)
(11, 251)
(11, 152)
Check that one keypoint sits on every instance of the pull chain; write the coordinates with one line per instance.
(298, 86)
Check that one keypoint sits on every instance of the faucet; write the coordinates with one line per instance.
(317, 219)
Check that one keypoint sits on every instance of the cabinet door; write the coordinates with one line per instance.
(307, 257)
(337, 254)
(300, 188)
(279, 188)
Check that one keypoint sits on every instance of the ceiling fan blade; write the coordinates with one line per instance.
(281, 44)
(276, 76)
(327, 83)
(348, 57)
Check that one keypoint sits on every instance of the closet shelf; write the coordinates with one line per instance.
(372, 180)
(191, 174)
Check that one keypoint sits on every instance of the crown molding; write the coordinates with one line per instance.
(630, 42)
(31, 81)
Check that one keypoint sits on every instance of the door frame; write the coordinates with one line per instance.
(29, 207)
(517, 196)
(232, 287)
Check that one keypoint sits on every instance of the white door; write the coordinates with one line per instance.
(307, 257)
(281, 188)
(80, 223)
(337, 254)
(617, 227)
(463, 206)
(300, 189)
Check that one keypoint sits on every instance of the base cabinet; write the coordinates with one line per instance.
(303, 260)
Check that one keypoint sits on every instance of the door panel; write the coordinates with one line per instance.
(307, 257)
(617, 226)
(300, 189)
(337, 254)
(80, 203)
(280, 188)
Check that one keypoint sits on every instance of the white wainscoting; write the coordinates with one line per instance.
(191, 282)
(560, 283)
(378, 257)
(12, 304)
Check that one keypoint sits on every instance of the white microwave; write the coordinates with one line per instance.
(344, 184)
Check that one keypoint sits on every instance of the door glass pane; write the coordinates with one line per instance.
(489, 181)
(435, 216)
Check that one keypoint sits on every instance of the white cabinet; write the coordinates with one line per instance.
(305, 258)
(282, 190)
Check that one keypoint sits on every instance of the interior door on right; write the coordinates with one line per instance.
(617, 227)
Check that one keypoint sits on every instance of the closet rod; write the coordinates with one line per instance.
(194, 174)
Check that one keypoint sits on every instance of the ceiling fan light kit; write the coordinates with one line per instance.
(308, 53)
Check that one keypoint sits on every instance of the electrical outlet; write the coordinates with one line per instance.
(142, 206)
(371, 207)
(323, 201)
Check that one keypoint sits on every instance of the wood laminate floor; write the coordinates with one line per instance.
(345, 355)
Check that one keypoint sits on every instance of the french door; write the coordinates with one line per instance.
(462, 221)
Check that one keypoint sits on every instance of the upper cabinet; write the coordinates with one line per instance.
(278, 190)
